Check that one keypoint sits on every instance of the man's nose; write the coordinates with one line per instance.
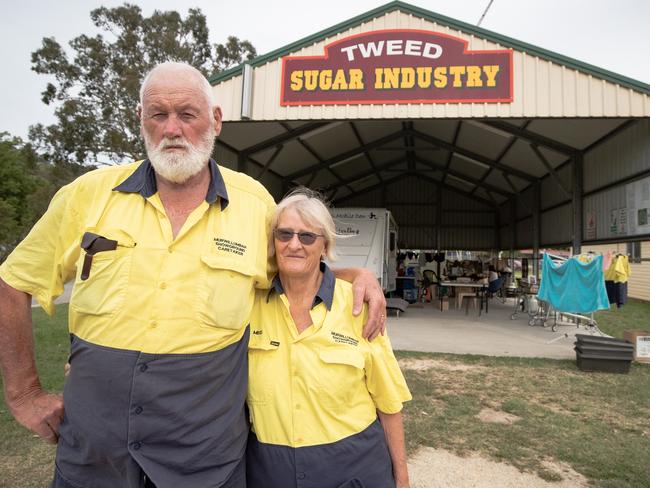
(172, 127)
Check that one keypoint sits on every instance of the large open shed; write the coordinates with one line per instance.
(505, 146)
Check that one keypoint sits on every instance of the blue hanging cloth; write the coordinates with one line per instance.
(574, 286)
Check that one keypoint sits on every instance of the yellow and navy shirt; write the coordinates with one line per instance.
(158, 323)
(313, 397)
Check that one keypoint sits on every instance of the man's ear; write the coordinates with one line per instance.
(217, 116)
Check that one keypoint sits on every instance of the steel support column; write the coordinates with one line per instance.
(537, 194)
(578, 187)
(438, 219)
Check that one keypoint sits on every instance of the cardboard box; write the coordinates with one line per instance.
(445, 304)
(641, 341)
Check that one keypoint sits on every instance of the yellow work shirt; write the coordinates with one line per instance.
(325, 384)
(153, 293)
(619, 270)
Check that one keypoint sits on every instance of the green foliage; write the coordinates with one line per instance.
(96, 89)
(27, 184)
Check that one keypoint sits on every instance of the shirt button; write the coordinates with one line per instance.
(163, 285)
(138, 410)
(297, 406)
(154, 324)
(143, 367)
(136, 446)
(169, 250)
(301, 476)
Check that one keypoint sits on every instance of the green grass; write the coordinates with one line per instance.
(25, 460)
(596, 423)
(633, 315)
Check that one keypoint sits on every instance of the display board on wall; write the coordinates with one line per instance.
(638, 207)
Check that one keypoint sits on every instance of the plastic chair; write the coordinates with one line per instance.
(494, 287)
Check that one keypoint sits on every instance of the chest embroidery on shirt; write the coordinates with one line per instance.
(230, 246)
(257, 332)
(275, 343)
(343, 339)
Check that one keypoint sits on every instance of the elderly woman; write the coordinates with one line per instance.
(325, 404)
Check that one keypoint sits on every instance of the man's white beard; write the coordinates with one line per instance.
(179, 167)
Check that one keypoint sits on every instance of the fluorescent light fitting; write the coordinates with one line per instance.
(320, 130)
(489, 128)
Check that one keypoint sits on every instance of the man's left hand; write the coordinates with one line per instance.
(366, 288)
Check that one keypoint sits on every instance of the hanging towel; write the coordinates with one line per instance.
(574, 286)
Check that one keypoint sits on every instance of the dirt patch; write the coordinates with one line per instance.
(497, 417)
(438, 468)
(427, 364)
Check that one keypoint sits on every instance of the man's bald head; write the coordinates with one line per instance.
(175, 72)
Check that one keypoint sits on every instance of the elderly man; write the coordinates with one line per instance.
(165, 255)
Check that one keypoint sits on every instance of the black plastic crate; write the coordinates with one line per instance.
(598, 362)
(599, 341)
(604, 351)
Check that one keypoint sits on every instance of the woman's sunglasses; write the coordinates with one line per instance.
(306, 238)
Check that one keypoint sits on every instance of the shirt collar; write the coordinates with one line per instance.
(143, 181)
(325, 293)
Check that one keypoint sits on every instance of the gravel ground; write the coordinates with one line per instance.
(437, 468)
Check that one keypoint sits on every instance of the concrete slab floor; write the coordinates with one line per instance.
(423, 327)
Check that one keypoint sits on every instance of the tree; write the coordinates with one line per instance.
(96, 91)
(27, 184)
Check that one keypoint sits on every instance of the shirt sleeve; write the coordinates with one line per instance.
(46, 258)
(271, 267)
(384, 380)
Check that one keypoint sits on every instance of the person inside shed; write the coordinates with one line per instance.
(165, 255)
(325, 404)
(492, 274)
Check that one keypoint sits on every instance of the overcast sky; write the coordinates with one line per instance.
(611, 34)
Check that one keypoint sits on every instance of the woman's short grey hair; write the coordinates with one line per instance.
(312, 208)
(182, 69)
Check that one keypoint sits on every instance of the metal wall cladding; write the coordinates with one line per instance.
(541, 88)
(625, 154)
(450, 238)
(557, 226)
(412, 202)
(469, 239)
(505, 236)
(524, 234)
(600, 206)
(524, 202)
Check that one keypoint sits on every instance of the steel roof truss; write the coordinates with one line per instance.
(551, 170)
(464, 177)
(366, 153)
(529, 136)
(347, 155)
(472, 155)
(286, 137)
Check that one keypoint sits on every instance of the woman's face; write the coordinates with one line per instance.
(294, 258)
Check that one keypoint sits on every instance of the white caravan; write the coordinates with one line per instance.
(372, 242)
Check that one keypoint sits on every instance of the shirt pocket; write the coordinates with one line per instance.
(103, 291)
(342, 374)
(225, 292)
(260, 372)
